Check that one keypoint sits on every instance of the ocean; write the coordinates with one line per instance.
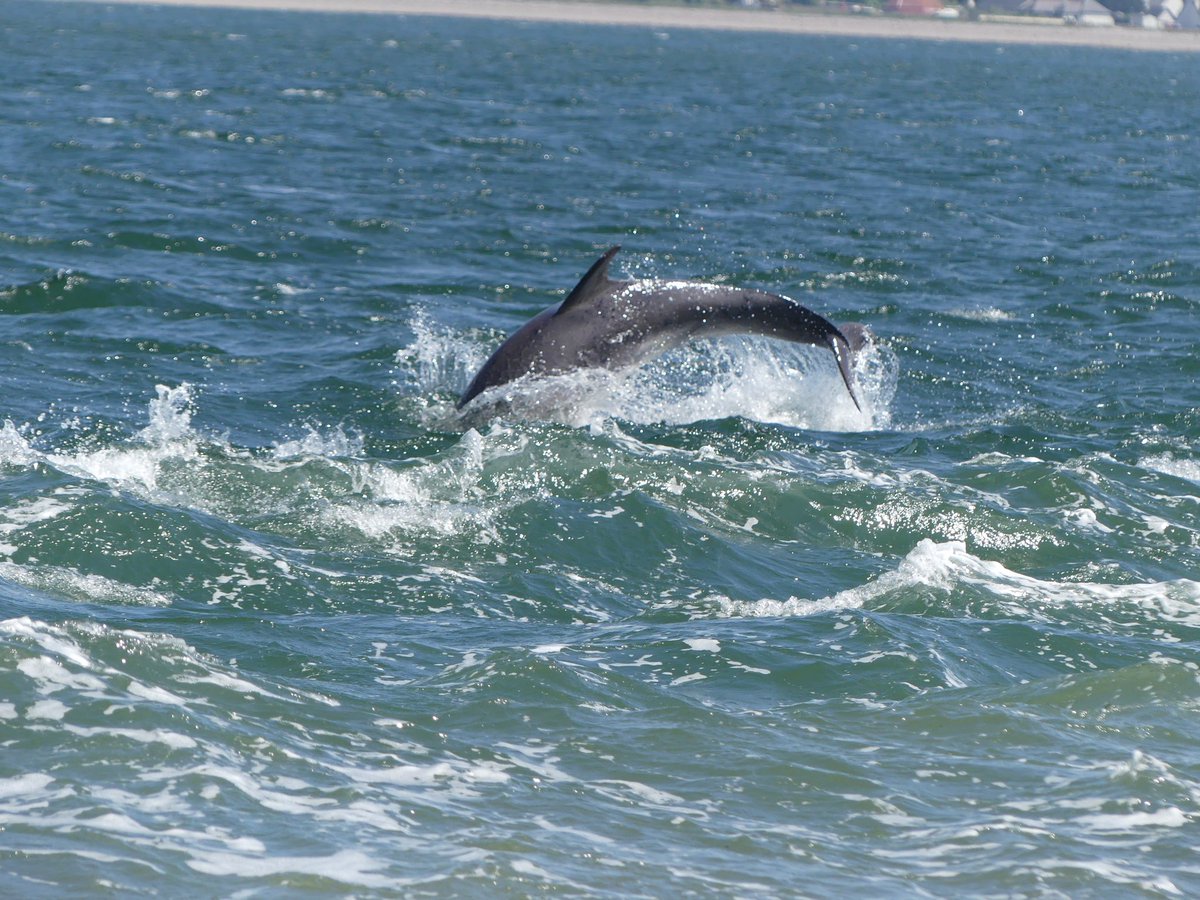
(277, 620)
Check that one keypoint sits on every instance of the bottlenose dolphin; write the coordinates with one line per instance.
(615, 324)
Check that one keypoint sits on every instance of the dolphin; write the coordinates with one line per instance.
(617, 324)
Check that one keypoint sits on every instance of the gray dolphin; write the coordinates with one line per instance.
(615, 324)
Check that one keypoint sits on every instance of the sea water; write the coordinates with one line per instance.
(276, 620)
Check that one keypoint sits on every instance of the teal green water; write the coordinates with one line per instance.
(276, 621)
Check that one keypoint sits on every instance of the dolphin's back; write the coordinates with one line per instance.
(614, 324)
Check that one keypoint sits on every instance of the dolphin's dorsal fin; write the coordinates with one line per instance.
(591, 284)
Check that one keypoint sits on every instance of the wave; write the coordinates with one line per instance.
(946, 577)
(256, 516)
(159, 713)
(69, 289)
(1169, 464)
(319, 493)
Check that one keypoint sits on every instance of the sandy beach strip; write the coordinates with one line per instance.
(778, 21)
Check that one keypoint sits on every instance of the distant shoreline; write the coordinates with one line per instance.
(778, 22)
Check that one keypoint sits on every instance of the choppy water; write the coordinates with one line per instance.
(273, 620)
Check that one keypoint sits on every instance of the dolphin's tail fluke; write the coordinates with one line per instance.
(845, 343)
(857, 335)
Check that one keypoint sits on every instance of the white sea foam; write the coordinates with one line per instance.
(228, 682)
(64, 662)
(50, 675)
(344, 867)
(1142, 765)
(652, 799)
(50, 638)
(947, 566)
(30, 512)
(590, 838)
(47, 709)
(1111, 871)
(65, 665)
(1136, 821)
(137, 467)
(82, 586)
(171, 739)
(452, 773)
(1169, 465)
(154, 694)
(983, 314)
(539, 758)
(211, 849)
(436, 497)
(24, 786)
(170, 463)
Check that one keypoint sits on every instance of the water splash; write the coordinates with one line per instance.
(170, 416)
(438, 359)
(138, 466)
(752, 378)
(15, 450)
(315, 445)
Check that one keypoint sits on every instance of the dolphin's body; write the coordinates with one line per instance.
(615, 324)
